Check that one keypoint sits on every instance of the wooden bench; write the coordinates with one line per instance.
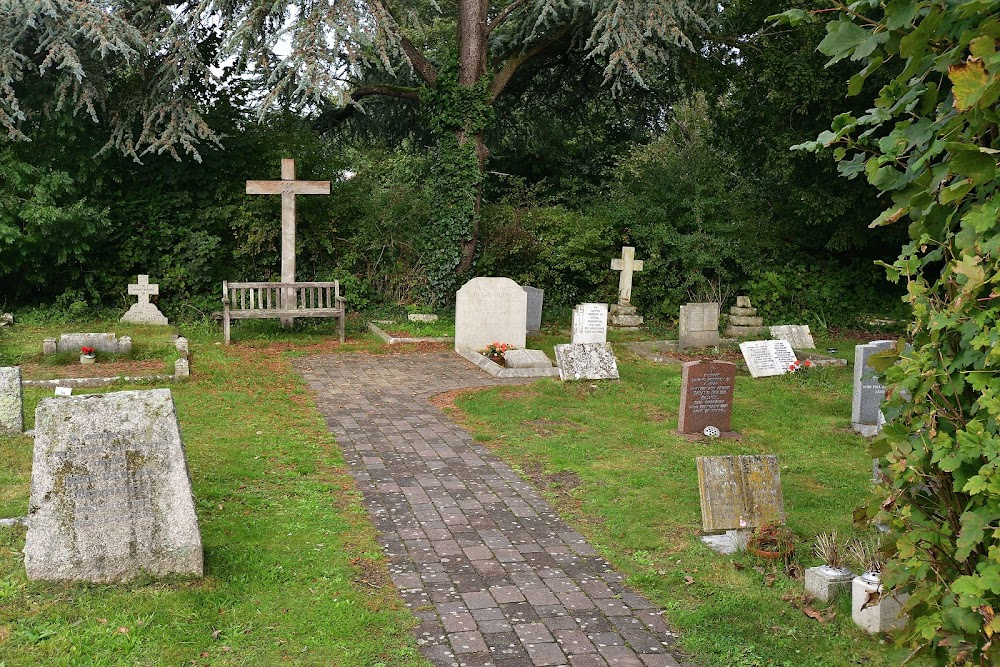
(246, 301)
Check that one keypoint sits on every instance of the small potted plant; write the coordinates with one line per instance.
(771, 540)
(825, 581)
(871, 609)
(495, 351)
(87, 355)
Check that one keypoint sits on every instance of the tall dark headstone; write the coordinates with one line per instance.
(534, 308)
(707, 397)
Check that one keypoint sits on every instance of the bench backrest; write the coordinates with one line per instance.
(281, 296)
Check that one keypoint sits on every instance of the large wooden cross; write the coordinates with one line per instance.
(627, 265)
(288, 187)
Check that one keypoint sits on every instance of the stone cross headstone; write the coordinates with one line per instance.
(288, 187)
(797, 335)
(735, 488)
(706, 397)
(490, 310)
(868, 391)
(143, 311)
(11, 401)
(586, 361)
(110, 492)
(534, 312)
(767, 357)
(590, 323)
(699, 326)
(628, 265)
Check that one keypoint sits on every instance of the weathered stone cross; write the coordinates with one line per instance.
(627, 265)
(288, 187)
(144, 290)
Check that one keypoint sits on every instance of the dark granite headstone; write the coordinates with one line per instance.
(706, 396)
(534, 310)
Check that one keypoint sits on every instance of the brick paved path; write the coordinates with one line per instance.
(492, 573)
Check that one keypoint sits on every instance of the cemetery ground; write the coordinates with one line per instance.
(295, 575)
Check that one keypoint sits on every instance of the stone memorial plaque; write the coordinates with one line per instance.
(699, 325)
(767, 357)
(102, 342)
(590, 323)
(110, 492)
(586, 361)
(526, 359)
(11, 401)
(868, 391)
(797, 335)
(739, 487)
(490, 310)
(706, 396)
(533, 318)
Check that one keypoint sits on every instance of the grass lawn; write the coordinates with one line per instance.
(443, 327)
(293, 572)
(608, 457)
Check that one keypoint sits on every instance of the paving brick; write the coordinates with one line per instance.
(492, 573)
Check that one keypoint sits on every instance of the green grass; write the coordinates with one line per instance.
(608, 457)
(293, 572)
(444, 327)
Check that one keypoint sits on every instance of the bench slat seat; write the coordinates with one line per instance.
(262, 300)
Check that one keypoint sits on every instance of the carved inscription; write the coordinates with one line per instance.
(706, 396)
(739, 488)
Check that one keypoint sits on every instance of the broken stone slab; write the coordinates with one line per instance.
(586, 361)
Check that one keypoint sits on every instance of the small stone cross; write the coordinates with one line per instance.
(628, 264)
(144, 290)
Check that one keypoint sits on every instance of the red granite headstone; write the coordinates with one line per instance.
(707, 397)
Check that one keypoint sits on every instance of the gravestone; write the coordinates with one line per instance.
(735, 488)
(868, 391)
(699, 325)
(767, 357)
(623, 314)
(288, 187)
(590, 323)
(797, 335)
(143, 311)
(533, 318)
(11, 401)
(490, 310)
(49, 346)
(586, 361)
(526, 359)
(707, 397)
(102, 342)
(743, 320)
(110, 492)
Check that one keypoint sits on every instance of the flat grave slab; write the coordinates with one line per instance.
(586, 361)
(766, 358)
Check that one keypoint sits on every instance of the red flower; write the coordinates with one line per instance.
(86, 350)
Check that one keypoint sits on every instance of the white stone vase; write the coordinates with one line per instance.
(87, 359)
(876, 616)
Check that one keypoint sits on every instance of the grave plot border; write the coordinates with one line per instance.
(496, 370)
(393, 340)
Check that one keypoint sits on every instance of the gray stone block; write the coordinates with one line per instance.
(825, 583)
(586, 361)
(102, 342)
(737, 321)
(11, 401)
(110, 492)
(526, 359)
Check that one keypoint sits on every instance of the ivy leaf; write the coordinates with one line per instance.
(969, 80)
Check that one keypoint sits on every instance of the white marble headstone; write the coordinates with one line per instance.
(590, 323)
(110, 492)
(490, 310)
(767, 357)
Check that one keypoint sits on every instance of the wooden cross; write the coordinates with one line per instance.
(627, 265)
(288, 187)
(144, 290)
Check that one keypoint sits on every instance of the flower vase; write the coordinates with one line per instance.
(88, 359)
